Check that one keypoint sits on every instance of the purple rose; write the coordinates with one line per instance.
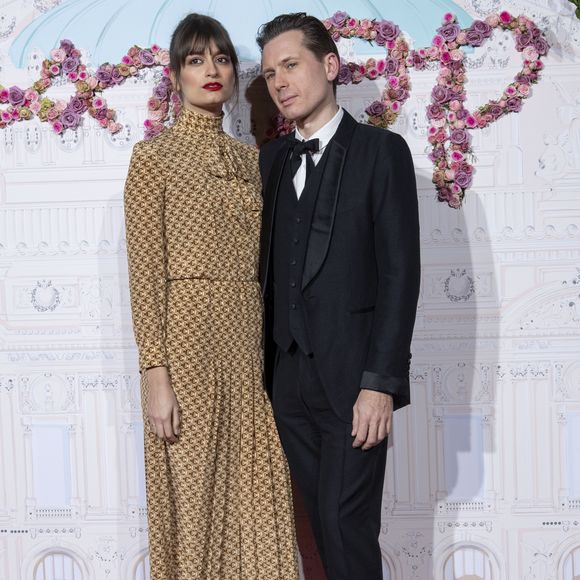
(146, 58)
(344, 75)
(482, 27)
(536, 32)
(338, 19)
(160, 92)
(375, 109)
(16, 96)
(450, 31)
(116, 76)
(463, 179)
(435, 112)
(495, 111)
(444, 194)
(418, 62)
(103, 75)
(440, 95)
(474, 37)
(533, 76)
(100, 114)
(66, 45)
(70, 64)
(77, 105)
(70, 119)
(462, 114)
(386, 30)
(541, 45)
(391, 66)
(399, 94)
(459, 136)
(514, 105)
(523, 40)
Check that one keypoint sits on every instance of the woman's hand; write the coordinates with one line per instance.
(162, 406)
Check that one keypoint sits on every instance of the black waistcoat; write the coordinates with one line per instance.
(292, 221)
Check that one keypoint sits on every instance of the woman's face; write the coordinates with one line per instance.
(206, 81)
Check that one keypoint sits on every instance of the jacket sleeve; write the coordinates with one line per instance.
(145, 234)
(396, 239)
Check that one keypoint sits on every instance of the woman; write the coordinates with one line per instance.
(218, 495)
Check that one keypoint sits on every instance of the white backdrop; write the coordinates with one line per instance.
(483, 478)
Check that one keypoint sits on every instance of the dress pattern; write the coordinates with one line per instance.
(219, 500)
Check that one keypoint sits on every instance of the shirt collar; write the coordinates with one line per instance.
(326, 132)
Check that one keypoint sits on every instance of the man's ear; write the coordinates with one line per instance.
(332, 66)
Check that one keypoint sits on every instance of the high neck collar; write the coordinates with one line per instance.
(192, 121)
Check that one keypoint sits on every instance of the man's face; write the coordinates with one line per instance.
(297, 81)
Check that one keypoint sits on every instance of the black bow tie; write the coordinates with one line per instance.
(298, 149)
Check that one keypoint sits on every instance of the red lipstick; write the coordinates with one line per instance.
(213, 87)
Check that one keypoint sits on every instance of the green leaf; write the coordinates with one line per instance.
(578, 12)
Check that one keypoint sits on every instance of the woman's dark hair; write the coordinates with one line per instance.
(316, 38)
(193, 35)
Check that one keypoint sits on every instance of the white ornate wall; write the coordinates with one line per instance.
(483, 480)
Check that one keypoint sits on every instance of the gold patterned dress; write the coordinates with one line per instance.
(219, 501)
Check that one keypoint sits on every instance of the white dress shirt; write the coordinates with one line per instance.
(324, 135)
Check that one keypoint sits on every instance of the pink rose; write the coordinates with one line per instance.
(441, 137)
(438, 40)
(58, 54)
(471, 121)
(4, 95)
(57, 127)
(393, 82)
(492, 20)
(60, 105)
(462, 38)
(452, 117)
(381, 66)
(351, 22)
(6, 116)
(455, 105)
(73, 76)
(156, 115)
(155, 48)
(83, 75)
(524, 89)
(373, 73)
(360, 31)
(448, 17)
(54, 69)
(99, 103)
(52, 114)
(35, 107)
(530, 53)
(92, 82)
(510, 91)
(31, 95)
(457, 55)
(366, 23)
(445, 58)
(455, 189)
(395, 106)
(457, 156)
(505, 17)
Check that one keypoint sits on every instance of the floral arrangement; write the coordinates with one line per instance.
(65, 61)
(449, 121)
(577, 4)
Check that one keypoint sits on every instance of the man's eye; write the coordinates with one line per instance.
(291, 65)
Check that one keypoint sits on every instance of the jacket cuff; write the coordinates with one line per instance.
(152, 359)
(397, 387)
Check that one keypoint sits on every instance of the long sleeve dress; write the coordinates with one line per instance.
(219, 501)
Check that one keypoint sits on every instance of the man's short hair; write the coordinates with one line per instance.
(316, 38)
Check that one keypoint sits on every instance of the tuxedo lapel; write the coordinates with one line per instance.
(325, 208)
(270, 198)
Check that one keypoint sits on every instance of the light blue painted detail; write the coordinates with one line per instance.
(107, 28)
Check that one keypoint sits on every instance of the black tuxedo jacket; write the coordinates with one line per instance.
(362, 269)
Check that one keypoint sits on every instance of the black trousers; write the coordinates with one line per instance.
(341, 486)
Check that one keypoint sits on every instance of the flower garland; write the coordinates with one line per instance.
(65, 62)
(394, 67)
(450, 122)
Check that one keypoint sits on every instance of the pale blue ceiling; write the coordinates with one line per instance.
(108, 27)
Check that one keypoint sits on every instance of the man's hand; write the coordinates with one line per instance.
(162, 406)
(371, 418)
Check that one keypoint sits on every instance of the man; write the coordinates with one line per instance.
(340, 273)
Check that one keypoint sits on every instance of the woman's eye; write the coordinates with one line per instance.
(223, 59)
(195, 61)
